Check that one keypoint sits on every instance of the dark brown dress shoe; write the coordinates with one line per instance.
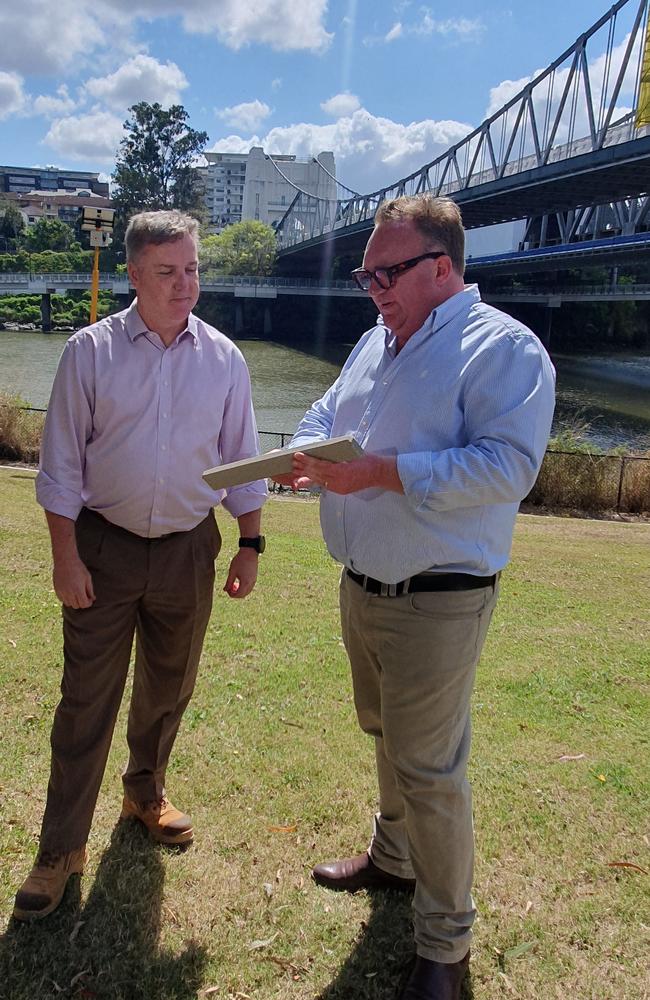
(435, 980)
(357, 873)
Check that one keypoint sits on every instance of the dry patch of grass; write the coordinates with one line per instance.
(276, 775)
(20, 430)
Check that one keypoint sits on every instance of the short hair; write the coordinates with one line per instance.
(437, 219)
(165, 226)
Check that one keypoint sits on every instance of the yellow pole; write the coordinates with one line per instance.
(94, 292)
(643, 109)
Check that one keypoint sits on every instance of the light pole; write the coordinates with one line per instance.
(99, 223)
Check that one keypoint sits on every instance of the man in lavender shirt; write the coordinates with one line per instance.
(142, 403)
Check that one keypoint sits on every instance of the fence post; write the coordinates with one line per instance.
(620, 487)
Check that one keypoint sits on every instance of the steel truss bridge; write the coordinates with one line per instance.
(565, 153)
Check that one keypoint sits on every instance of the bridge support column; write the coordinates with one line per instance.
(239, 318)
(268, 325)
(544, 333)
(46, 312)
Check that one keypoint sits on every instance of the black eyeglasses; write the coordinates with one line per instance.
(387, 276)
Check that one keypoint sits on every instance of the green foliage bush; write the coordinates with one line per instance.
(20, 430)
(68, 310)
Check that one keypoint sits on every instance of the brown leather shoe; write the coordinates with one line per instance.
(43, 889)
(356, 873)
(165, 823)
(435, 980)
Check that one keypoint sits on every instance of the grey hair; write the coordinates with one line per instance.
(157, 227)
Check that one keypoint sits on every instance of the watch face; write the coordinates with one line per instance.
(261, 544)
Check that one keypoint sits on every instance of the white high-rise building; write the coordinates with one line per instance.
(240, 186)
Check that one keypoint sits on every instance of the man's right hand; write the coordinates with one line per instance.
(73, 584)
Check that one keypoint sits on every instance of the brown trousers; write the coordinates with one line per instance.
(159, 590)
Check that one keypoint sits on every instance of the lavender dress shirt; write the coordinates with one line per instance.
(132, 425)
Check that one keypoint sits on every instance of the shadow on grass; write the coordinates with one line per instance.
(379, 966)
(108, 948)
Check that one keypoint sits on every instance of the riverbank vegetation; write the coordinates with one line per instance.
(276, 775)
(20, 430)
(68, 312)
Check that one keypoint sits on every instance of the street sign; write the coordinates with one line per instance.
(97, 218)
(100, 238)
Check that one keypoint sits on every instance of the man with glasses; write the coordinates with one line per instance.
(452, 402)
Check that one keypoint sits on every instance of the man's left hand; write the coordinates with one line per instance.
(367, 472)
(242, 573)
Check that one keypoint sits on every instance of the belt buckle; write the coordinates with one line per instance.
(390, 590)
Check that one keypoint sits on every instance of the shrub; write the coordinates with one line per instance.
(20, 430)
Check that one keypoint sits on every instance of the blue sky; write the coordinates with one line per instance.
(386, 86)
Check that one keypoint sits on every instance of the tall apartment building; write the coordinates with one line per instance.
(23, 180)
(240, 186)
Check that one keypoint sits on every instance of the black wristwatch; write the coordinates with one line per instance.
(258, 543)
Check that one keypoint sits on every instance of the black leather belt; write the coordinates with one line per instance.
(422, 583)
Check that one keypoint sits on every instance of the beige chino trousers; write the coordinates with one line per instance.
(159, 590)
(413, 661)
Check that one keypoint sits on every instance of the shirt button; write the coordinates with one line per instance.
(163, 447)
(165, 415)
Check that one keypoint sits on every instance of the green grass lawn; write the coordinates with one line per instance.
(271, 766)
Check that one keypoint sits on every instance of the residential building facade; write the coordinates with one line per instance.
(22, 180)
(255, 185)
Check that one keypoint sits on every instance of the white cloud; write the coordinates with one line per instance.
(247, 116)
(52, 106)
(12, 96)
(94, 136)
(370, 152)
(38, 36)
(462, 29)
(341, 105)
(282, 24)
(276, 83)
(141, 78)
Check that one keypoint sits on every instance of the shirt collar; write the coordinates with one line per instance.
(436, 319)
(136, 326)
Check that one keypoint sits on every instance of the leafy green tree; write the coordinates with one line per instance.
(248, 247)
(12, 223)
(47, 234)
(155, 162)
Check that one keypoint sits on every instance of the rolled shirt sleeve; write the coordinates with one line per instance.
(508, 406)
(68, 427)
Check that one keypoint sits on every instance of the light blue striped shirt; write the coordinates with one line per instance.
(466, 406)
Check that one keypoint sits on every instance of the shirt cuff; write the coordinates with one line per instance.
(56, 499)
(415, 470)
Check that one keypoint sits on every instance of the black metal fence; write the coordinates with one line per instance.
(593, 482)
(568, 479)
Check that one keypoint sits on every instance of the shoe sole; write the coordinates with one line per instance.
(170, 840)
(340, 885)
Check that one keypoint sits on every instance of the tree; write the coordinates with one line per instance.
(47, 234)
(248, 247)
(11, 224)
(155, 163)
